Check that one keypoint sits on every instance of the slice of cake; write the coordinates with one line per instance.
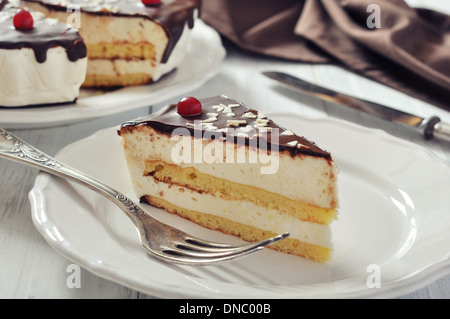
(42, 61)
(230, 168)
(128, 42)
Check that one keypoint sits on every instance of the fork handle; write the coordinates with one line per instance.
(15, 149)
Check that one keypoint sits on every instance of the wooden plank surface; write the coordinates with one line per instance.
(30, 268)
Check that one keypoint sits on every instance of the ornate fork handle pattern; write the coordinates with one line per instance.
(11, 145)
(129, 204)
(13, 148)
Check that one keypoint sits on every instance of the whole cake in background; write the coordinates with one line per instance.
(42, 61)
(129, 42)
(231, 168)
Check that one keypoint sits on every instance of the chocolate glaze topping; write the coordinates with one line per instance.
(223, 117)
(46, 34)
(172, 15)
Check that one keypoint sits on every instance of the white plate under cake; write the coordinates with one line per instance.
(391, 216)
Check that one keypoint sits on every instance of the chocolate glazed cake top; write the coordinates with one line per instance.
(46, 34)
(224, 117)
(172, 15)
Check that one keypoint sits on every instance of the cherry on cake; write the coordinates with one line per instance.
(129, 42)
(230, 168)
(42, 61)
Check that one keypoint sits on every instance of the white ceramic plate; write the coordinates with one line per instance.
(391, 237)
(204, 56)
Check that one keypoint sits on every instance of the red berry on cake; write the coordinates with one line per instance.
(23, 20)
(189, 106)
(151, 2)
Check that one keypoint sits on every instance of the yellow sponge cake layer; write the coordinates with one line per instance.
(191, 178)
(144, 50)
(249, 233)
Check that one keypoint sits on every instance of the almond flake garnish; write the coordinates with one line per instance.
(233, 105)
(227, 109)
(261, 116)
(236, 122)
(231, 114)
(265, 128)
(261, 121)
(219, 108)
(293, 143)
(210, 120)
(246, 129)
(249, 115)
(212, 114)
(260, 124)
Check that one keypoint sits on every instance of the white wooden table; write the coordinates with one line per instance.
(30, 268)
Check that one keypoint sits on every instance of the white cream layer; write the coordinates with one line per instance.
(307, 179)
(244, 212)
(24, 81)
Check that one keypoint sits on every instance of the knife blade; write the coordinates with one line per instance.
(429, 128)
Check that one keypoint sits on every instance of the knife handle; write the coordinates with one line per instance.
(434, 128)
(442, 131)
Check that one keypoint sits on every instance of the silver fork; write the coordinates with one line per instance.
(161, 240)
